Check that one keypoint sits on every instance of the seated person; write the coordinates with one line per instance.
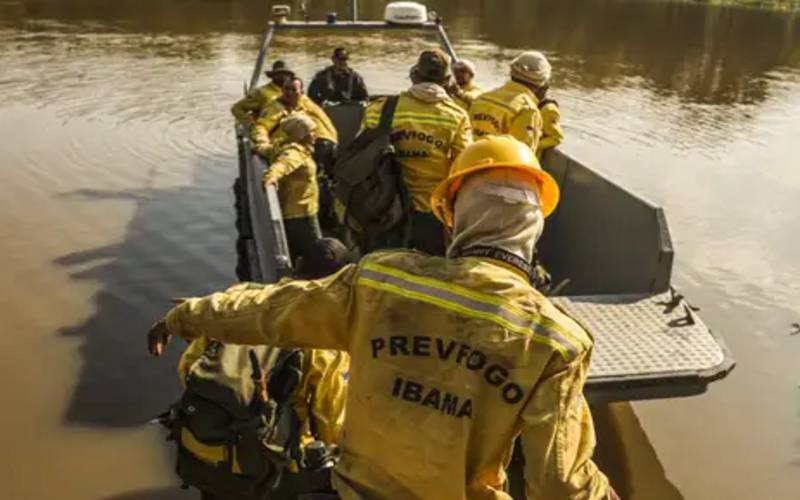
(338, 82)
(267, 132)
(247, 109)
(294, 173)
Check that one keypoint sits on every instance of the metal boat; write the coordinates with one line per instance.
(610, 246)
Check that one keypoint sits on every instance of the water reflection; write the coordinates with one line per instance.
(706, 54)
(625, 454)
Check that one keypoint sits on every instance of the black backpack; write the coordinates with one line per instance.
(368, 182)
(223, 414)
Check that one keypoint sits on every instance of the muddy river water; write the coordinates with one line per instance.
(116, 159)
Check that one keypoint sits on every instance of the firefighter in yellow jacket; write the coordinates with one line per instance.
(428, 131)
(451, 358)
(514, 108)
(247, 109)
(267, 133)
(466, 90)
(294, 173)
(552, 133)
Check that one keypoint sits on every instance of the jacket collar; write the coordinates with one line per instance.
(500, 258)
(520, 88)
(302, 104)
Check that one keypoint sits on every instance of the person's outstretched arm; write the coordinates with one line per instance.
(276, 314)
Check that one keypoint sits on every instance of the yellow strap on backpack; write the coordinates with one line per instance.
(210, 454)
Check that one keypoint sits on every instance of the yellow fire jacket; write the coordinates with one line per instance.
(467, 95)
(552, 133)
(267, 133)
(427, 137)
(510, 109)
(452, 359)
(295, 172)
(254, 102)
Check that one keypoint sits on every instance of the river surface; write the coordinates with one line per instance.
(117, 154)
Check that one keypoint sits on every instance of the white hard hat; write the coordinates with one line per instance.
(531, 66)
(466, 64)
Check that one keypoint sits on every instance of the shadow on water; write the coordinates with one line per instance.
(626, 455)
(180, 241)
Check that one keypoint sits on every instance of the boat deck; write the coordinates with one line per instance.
(647, 346)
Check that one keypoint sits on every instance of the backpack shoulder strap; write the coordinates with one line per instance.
(285, 375)
(387, 113)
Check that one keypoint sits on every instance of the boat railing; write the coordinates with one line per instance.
(266, 250)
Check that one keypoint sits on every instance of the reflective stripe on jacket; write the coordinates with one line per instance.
(254, 102)
(552, 133)
(427, 137)
(295, 171)
(510, 109)
(451, 360)
(267, 132)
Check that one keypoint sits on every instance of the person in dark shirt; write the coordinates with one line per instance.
(338, 82)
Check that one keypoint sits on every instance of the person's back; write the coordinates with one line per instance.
(470, 353)
(295, 171)
(509, 109)
(428, 131)
(427, 136)
(513, 108)
(453, 358)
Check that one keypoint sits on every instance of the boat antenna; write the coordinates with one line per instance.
(303, 11)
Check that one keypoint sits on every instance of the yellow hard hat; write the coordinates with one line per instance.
(488, 153)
